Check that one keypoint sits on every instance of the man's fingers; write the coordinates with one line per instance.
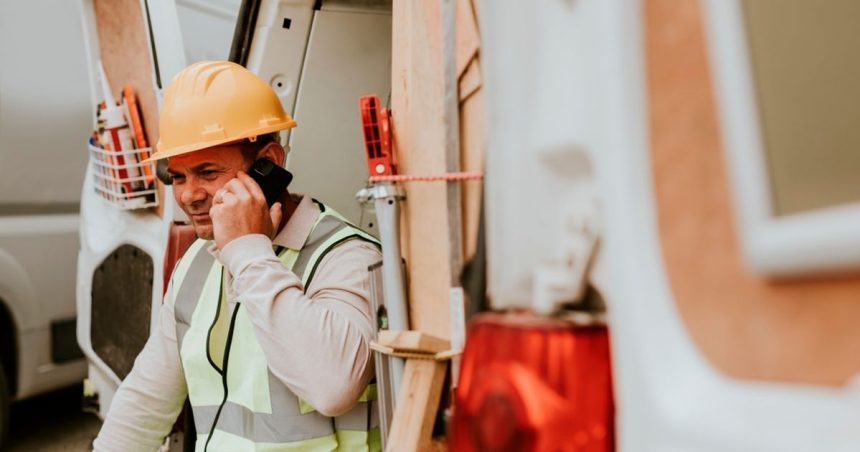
(239, 208)
(215, 212)
(230, 198)
(252, 186)
(276, 214)
(237, 188)
(232, 188)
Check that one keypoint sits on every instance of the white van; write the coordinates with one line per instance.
(45, 115)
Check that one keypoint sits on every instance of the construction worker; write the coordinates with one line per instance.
(266, 324)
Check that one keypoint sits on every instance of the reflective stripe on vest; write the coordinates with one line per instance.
(249, 408)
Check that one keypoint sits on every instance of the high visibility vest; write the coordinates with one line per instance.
(239, 405)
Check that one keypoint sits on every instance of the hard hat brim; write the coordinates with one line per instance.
(179, 150)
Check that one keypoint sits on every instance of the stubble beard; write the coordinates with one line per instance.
(204, 231)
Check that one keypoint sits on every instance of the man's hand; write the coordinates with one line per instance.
(239, 208)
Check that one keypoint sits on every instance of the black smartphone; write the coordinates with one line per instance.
(271, 178)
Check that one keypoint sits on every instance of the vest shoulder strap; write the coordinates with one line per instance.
(330, 231)
(188, 278)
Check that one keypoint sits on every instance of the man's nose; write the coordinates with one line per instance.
(192, 193)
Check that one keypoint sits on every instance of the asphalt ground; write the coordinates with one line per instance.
(52, 422)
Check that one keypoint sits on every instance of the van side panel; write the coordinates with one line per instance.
(37, 283)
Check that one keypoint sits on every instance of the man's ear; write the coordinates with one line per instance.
(274, 152)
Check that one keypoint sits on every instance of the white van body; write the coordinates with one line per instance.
(45, 115)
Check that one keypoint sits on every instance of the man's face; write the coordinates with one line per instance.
(198, 175)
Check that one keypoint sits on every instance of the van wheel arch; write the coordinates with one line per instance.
(4, 409)
(8, 348)
(8, 369)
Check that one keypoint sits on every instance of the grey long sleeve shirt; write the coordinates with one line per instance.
(316, 342)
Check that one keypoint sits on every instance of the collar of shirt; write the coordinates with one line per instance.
(295, 233)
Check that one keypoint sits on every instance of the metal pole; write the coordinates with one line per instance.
(385, 399)
(386, 199)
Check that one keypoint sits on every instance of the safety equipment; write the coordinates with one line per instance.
(216, 102)
(534, 383)
(237, 403)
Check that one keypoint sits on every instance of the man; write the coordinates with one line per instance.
(266, 323)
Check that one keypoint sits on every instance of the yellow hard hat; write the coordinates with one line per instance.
(216, 102)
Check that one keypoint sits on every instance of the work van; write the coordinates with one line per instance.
(43, 120)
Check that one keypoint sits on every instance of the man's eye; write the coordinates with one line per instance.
(176, 178)
(207, 173)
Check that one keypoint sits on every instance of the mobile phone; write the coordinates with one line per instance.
(271, 178)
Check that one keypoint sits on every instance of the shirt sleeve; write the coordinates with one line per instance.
(317, 343)
(150, 398)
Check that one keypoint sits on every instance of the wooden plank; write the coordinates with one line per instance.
(472, 141)
(472, 145)
(417, 402)
(430, 115)
(470, 81)
(419, 140)
(417, 102)
(412, 341)
(468, 39)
